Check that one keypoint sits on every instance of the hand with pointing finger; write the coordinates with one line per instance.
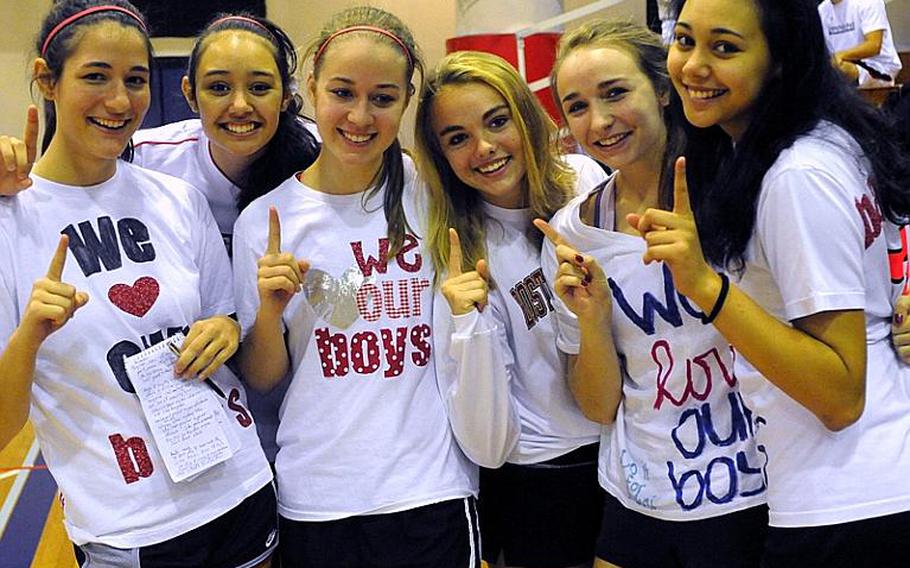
(580, 282)
(464, 291)
(280, 274)
(52, 302)
(672, 237)
(18, 156)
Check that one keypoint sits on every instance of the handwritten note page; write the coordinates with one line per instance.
(186, 420)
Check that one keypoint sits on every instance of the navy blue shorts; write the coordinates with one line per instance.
(544, 515)
(633, 540)
(241, 538)
(880, 542)
(441, 535)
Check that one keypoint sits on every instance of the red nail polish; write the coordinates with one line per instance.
(579, 259)
(899, 318)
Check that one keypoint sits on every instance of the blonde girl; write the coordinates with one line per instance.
(488, 153)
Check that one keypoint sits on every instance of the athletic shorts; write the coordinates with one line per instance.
(241, 538)
(441, 535)
(633, 540)
(544, 515)
(880, 542)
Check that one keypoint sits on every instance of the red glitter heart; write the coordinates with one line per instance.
(137, 299)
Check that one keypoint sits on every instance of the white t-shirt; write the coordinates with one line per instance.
(820, 244)
(145, 248)
(501, 375)
(846, 24)
(181, 149)
(363, 429)
(682, 446)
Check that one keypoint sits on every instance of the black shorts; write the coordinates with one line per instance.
(633, 540)
(243, 537)
(544, 515)
(441, 535)
(880, 542)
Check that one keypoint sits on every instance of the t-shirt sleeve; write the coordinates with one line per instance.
(568, 338)
(246, 254)
(212, 259)
(812, 237)
(9, 310)
(589, 174)
(873, 16)
(474, 367)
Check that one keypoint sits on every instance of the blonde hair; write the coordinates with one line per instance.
(548, 180)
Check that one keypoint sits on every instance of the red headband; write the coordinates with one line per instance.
(250, 21)
(380, 31)
(84, 13)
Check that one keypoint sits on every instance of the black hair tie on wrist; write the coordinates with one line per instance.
(721, 298)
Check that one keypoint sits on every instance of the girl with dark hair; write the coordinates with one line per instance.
(796, 187)
(369, 471)
(248, 138)
(148, 262)
(488, 153)
(678, 458)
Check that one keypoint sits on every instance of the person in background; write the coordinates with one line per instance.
(858, 36)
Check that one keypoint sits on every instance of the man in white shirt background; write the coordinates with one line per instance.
(859, 38)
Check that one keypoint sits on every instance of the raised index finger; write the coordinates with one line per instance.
(455, 258)
(30, 137)
(681, 188)
(55, 270)
(549, 232)
(274, 245)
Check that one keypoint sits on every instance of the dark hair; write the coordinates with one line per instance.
(293, 147)
(62, 43)
(391, 173)
(804, 88)
(650, 55)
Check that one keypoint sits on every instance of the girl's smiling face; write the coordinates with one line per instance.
(239, 94)
(720, 62)
(481, 142)
(102, 93)
(611, 107)
(359, 96)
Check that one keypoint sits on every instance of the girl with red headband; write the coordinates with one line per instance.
(248, 138)
(369, 471)
(140, 258)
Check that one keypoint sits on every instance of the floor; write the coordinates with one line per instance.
(31, 520)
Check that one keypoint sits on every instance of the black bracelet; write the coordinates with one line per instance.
(721, 298)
